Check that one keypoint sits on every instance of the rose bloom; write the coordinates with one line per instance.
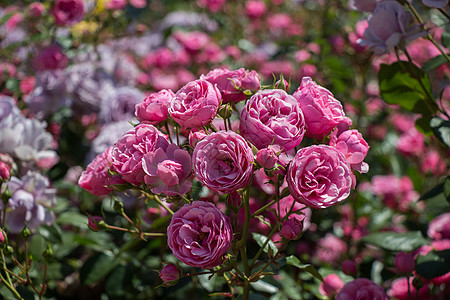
(389, 24)
(68, 12)
(167, 171)
(199, 234)
(319, 176)
(322, 111)
(231, 83)
(361, 289)
(352, 144)
(127, 153)
(96, 179)
(330, 249)
(399, 290)
(439, 227)
(50, 58)
(223, 162)
(195, 104)
(154, 108)
(331, 285)
(272, 117)
(255, 9)
(211, 5)
(411, 143)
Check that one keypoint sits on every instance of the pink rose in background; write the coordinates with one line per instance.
(322, 111)
(389, 24)
(330, 249)
(68, 12)
(349, 267)
(223, 162)
(231, 84)
(435, 3)
(116, 4)
(272, 117)
(353, 37)
(36, 9)
(196, 136)
(199, 234)
(331, 285)
(192, 41)
(138, 3)
(319, 176)
(167, 171)
(399, 290)
(354, 147)
(433, 163)
(211, 5)
(439, 227)
(404, 262)
(362, 289)
(411, 143)
(195, 104)
(50, 58)
(255, 9)
(154, 108)
(96, 179)
(128, 151)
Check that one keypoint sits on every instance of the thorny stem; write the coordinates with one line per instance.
(243, 243)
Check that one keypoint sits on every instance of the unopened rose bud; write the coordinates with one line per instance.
(3, 237)
(225, 111)
(4, 171)
(282, 84)
(267, 158)
(291, 228)
(93, 222)
(404, 262)
(234, 199)
(331, 285)
(170, 274)
(349, 267)
(47, 254)
(195, 137)
(25, 232)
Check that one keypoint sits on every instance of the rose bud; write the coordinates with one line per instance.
(170, 274)
(404, 262)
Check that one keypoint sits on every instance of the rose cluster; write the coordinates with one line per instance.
(269, 138)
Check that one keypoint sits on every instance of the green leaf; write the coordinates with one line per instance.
(294, 261)
(52, 233)
(434, 63)
(261, 239)
(117, 282)
(441, 129)
(264, 287)
(400, 84)
(97, 267)
(434, 264)
(447, 188)
(73, 218)
(445, 37)
(395, 241)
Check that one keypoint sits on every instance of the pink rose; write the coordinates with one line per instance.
(36, 9)
(331, 285)
(322, 111)
(223, 162)
(330, 249)
(195, 104)
(196, 136)
(291, 228)
(349, 267)
(193, 41)
(138, 3)
(154, 108)
(231, 84)
(211, 5)
(354, 147)
(50, 58)
(68, 12)
(167, 171)
(319, 176)
(404, 262)
(272, 117)
(399, 290)
(411, 143)
(128, 151)
(255, 9)
(199, 234)
(267, 157)
(439, 227)
(361, 289)
(169, 274)
(435, 3)
(389, 24)
(4, 171)
(96, 179)
(116, 4)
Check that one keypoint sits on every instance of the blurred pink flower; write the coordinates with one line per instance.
(211, 5)
(331, 285)
(361, 289)
(291, 228)
(439, 227)
(404, 262)
(255, 9)
(50, 58)
(399, 290)
(411, 143)
(330, 249)
(68, 12)
(199, 234)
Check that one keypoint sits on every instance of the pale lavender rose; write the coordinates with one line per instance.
(435, 3)
(120, 105)
(167, 171)
(199, 234)
(128, 151)
(364, 5)
(272, 117)
(195, 104)
(362, 289)
(30, 198)
(352, 144)
(232, 84)
(439, 227)
(319, 176)
(223, 162)
(322, 111)
(331, 285)
(154, 108)
(96, 179)
(389, 24)
(68, 12)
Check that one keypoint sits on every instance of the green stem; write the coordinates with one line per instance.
(163, 205)
(274, 229)
(243, 243)
(263, 208)
(8, 283)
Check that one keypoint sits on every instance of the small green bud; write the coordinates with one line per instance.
(9, 250)
(118, 207)
(6, 195)
(225, 111)
(102, 225)
(25, 232)
(47, 254)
